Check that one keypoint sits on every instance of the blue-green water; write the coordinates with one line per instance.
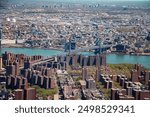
(30, 52)
(132, 59)
(111, 58)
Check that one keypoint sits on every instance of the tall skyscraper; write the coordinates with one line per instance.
(139, 68)
(74, 59)
(103, 59)
(10, 70)
(146, 76)
(52, 82)
(134, 76)
(98, 60)
(28, 64)
(98, 73)
(46, 82)
(16, 65)
(91, 60)
(91, 84)
(84, 73)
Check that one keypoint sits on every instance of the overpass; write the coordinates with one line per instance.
(44, 60)
(51, 58)
(89, 48)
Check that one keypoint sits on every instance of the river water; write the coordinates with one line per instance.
(111, 58)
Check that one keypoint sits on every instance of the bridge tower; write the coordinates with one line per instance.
(98, 42)
(70, 45)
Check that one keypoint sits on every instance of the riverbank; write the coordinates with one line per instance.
(22, 46)
(134, 54)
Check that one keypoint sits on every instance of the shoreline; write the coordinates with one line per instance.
(131, 54)
(88, 53)
(60, 49)
(22, 46)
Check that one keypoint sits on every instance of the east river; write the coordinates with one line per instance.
(110, 58)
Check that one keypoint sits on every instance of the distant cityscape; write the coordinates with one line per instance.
(73, 29)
